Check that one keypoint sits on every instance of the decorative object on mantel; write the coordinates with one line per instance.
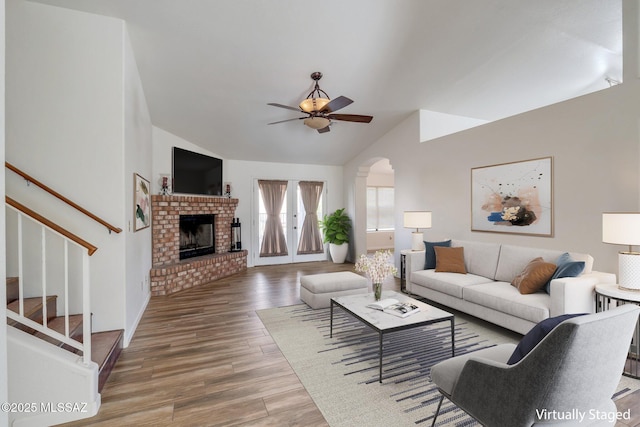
(623, 228)
(417, 220)
(377, 267)
(164, 184)
(141, 203)
(335, 229)
(227, 189)
(514, 198)
(236, 240)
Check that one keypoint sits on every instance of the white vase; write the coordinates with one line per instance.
(338, 252)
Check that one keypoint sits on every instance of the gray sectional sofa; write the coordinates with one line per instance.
(486, 291)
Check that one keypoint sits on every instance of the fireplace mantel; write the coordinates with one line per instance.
(168, 273)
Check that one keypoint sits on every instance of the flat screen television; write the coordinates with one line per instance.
(195, 173)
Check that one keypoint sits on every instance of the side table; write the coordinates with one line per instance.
(403, 269)
(610, 295)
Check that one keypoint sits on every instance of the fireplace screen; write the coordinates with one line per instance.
(197, 235)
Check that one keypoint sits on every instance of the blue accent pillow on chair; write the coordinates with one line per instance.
(430, 253)
(566, 267)
(536, 334)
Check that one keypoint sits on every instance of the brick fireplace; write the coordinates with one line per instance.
(168, 273)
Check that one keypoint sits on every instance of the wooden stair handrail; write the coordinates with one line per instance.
(69, 235)
(54, 193)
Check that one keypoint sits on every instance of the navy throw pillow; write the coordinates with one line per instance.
(430, 253)
(536, 334)
(566, 267)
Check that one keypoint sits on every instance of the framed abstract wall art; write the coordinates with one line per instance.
(141, 203)
(514, 198)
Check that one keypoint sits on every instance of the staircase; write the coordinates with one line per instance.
(53, 354)
(105, 346)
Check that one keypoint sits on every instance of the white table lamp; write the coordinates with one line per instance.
(623, 228)
(417, 220)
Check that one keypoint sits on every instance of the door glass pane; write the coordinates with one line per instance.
(309, 237)
(262, 217)
(302, 212)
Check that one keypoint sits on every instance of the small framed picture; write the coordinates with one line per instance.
(141, 203)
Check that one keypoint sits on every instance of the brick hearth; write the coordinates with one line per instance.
(169, 274)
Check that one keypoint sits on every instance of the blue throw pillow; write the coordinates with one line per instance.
(430, 253)
(566, 267)
(535, 335)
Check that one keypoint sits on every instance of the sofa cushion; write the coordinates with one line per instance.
(430, 254)
(447, 283)
(450, 260)
(480, 258)
(534, 276)
(503, 297)
(513, 259)
(567, 267)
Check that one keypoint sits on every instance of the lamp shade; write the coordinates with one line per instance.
(621, 228)
(317, 122)
(313, 104)
(417, 219)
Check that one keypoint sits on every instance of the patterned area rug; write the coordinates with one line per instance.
(341, 373)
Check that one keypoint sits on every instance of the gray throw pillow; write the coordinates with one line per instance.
(430, 253)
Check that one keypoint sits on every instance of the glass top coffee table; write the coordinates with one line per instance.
(383, 323)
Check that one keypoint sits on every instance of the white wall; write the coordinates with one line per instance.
(594, 142)
(163, 141)
(4, 396)
(78, 121)
(138, 148)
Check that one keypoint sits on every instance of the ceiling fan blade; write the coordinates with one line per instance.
(284, 106)
(324, 129)
(335, 104)
(351, 118)
(288, 120)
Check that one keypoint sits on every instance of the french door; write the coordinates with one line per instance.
(280, 233)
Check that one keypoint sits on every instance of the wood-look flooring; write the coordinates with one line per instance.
(202, 357)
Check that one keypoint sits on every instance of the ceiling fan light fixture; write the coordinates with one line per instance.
(310, 105)
(317, 122)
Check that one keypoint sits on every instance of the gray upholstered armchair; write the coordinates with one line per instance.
(573, 371)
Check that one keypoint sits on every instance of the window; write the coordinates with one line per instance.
(380, 208)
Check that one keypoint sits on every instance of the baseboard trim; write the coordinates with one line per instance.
(128, 332)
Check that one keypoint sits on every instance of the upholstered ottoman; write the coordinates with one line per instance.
(318, 289)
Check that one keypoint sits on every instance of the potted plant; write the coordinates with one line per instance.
(335, 229)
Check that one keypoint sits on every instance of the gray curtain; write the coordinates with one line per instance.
(274, 242)
(310, 238)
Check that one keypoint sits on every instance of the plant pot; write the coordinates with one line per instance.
(338, 252)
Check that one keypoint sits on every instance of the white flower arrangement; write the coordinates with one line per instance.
(377, 267)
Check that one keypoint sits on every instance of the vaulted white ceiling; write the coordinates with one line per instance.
(209, 67)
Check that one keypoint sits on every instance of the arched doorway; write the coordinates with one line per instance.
(373, 219)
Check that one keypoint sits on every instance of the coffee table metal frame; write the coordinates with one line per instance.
(355, 305)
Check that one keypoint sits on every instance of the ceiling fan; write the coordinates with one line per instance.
(319, 109)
